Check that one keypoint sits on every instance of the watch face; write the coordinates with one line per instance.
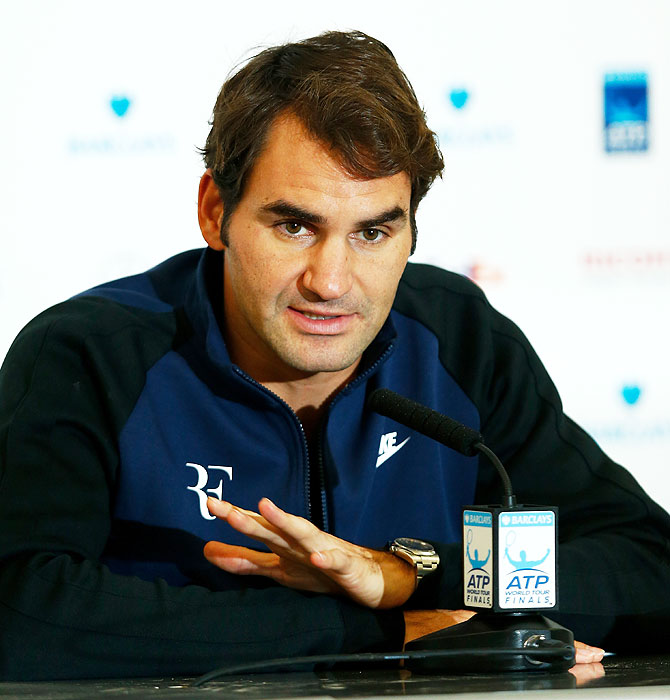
(415, 545)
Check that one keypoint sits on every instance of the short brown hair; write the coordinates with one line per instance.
(348, 90)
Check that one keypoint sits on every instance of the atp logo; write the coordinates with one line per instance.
(522, 563)
(203, 478)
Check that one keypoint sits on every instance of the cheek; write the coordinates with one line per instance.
(381, 279)
(261, 276)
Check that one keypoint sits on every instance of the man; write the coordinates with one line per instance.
(242, 372)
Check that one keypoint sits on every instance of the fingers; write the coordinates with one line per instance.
(585, 654)
(248, 523)
(307, 557)
(282, 532)
(293, 526)
(223, 509)
(585, 673)
(240, 560)
(324, 551)
(244, 561)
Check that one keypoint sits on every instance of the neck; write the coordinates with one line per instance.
(309, 396)
(307, 393)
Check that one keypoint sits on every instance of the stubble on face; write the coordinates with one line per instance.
(305, 352)
(274, 284)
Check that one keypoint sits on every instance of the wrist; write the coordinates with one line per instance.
(419, 554)
(399, 577)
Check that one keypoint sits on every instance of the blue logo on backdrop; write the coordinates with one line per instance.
(626, 112)
(467, 122)
(119, 105)
(631, 394)
(120, 133)
(636, 427)
(459, 97)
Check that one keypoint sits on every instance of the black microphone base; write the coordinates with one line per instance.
(520, 631)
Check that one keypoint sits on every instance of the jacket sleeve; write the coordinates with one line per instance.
(614, 552)
(614, 540)
(65, 615)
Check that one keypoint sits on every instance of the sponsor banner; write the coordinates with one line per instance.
(121, 134)
(626, 112)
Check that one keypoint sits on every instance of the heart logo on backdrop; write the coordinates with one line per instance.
(119, 105)
(631, 394)
(459, 97)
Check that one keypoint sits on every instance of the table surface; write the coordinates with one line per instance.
(633, 677)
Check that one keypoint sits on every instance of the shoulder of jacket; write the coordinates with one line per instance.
(421, 277)
(457, 312)
(426, 292)
(112, 310)
(149, 298)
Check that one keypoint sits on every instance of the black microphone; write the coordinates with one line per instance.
(439, 427)
(425, 420)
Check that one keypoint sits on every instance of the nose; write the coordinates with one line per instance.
(328, 274)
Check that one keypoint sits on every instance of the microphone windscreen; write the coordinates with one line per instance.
(425, 420)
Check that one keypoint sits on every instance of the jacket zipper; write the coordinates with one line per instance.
(319, 466)
(298, 424)
(322, 430)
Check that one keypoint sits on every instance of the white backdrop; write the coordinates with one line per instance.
(102, 105)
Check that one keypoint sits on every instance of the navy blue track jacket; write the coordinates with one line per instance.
(120, 412)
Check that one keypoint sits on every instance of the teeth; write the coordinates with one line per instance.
(315, 317)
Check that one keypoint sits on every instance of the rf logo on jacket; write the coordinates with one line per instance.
(201, 492)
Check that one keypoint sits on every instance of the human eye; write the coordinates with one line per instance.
(292, 228)
(371, 235)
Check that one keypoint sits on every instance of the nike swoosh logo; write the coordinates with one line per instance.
(390, 452)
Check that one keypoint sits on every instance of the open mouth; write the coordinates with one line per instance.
(313, 322)
(316, 317)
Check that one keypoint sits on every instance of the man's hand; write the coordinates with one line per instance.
(419, 623)
(584, 654)
(304, 557)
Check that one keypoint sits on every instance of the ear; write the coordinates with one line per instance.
(210, 211)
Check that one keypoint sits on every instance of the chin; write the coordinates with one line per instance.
(326, 354)
(312, 367)
(320, 361)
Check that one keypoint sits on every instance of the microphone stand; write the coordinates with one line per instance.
(498, 625)
(494, 630)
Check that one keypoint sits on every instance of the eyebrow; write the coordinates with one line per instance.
(395, 214)
(291, 211)
(283, 208)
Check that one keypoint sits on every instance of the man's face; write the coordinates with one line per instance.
(313, 259)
